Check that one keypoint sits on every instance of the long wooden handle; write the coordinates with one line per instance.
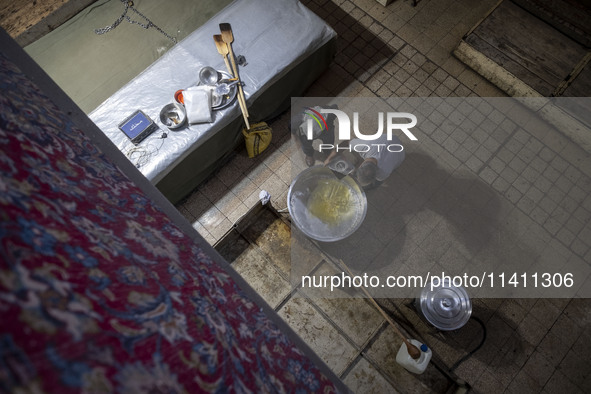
(228, 67)
(222, 48)
(412, 349)
(235, 68)
(242, 105)
(241, 99)
(241, 102)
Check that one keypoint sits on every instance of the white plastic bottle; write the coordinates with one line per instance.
(419, 365)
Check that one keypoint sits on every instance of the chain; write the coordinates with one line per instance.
(129, 6)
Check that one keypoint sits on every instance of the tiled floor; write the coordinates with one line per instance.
(539, 181)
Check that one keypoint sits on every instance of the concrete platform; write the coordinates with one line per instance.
(526, 54)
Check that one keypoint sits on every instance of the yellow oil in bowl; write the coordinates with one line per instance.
(331, 201)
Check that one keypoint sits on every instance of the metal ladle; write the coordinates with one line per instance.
(208, 75)
(222, 89)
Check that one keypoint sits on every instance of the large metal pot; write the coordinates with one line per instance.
(304, 190)
(446, 307)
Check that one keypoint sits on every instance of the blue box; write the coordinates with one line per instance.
(137, 126)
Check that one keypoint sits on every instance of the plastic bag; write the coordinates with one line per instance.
(198, 104)
(257, 138)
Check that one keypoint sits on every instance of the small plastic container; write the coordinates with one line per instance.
(178, 96)
(419, 365)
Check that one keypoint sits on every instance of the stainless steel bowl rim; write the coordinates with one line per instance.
(180, 109)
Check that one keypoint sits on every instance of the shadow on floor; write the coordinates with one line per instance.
(420, 201)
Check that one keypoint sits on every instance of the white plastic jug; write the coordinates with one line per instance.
(419, 365)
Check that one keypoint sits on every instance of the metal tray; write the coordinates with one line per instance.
(218, 102)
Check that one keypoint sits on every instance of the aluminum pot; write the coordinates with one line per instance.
(446, 307)
(301, 192)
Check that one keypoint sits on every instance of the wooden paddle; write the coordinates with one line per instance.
(413, 351)
(228, 38)
(222, 48)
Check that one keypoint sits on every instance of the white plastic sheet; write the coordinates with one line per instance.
(273, 36)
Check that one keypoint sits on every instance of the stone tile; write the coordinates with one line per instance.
(229, 174)
(279, 201)
(462, 90)
(559, 383)
(275, 160)
(357, 318)
(237, 212)
(471, 370)
(545, 312)
(186, 214)
(539, 368)
(489, 383)
(274, 185)
(213, 189)
(209, 238)
(244, 189)
(523, 383)
(553, 348)
(498, 328)
(579, 311)
(322, 337)
(516, 352)
(200, 229)
(501, 185)
(196, 204)
(384, 92)
(403, 91)
(211, 218)
(488, 175)
(579, 247)
(226, 202)
(582, 346)
(511, 312)
(242, 161)
(576, 369)
(513, 195)
(218, 231)
(259, 174)
(363, 377)
(262, 276)
(442, 91)
(396, 42)
(531, 330)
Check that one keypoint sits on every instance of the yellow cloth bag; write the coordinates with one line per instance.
(257, 138)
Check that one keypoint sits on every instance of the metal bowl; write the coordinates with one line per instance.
(173, 116)
(303, 190)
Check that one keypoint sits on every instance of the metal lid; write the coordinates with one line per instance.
(446, 307)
